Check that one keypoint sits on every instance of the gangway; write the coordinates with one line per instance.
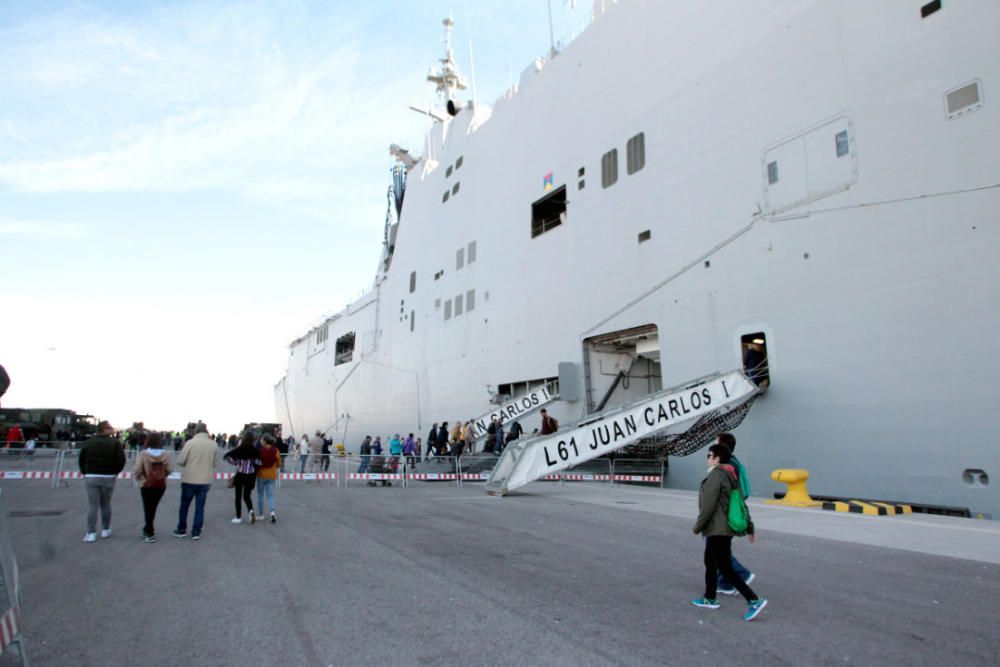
(693, 412)
(516, 408)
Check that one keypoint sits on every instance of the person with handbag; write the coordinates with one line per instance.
(152, 467)
(246, 458)
(713, 524)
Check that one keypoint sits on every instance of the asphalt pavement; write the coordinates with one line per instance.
(439, 575)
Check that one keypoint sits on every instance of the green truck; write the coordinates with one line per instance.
(46, 425)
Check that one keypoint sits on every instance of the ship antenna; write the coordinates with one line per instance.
(552, 34)
(472, 60)
(447, 79)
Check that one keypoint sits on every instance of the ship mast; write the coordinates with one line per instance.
(447, 79)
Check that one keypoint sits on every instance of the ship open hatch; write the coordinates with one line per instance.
(548, 212)
(621, 366)
(753, 348)
(345, 349)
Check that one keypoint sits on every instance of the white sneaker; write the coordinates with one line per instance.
(90, 537)
(105, 533)
(237, 520)
(749, 580)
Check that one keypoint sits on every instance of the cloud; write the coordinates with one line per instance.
(194, 102)
(43, 230)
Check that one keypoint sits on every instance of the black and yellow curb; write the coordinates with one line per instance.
(871, 508)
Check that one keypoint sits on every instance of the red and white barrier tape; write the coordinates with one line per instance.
(307, 476)
(25, 474)
(601, 478)
(638, 478)
(10, 627)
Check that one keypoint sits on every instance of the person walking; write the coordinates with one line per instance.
(468, 438)
(326, 454)
(15, 436)
(442, 440)
(366, 455)
(267, 473)
(198, 458)
(246, 458)
(101, 459)
(514, 432)
(152, 467)
(283, 449)
(303, 452)
(431, 442)
(500, 442)
(409, 450)
(395, 449)
(316, 452)
(549, 424)
(713, 524)
(729, 441)
(491, 435)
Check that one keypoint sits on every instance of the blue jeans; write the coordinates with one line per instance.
(199, 492)
(302, 462)
(363, 468)
(265, 486)
(740, 571)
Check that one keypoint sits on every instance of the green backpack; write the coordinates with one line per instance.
(739, 517)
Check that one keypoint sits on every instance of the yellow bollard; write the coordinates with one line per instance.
(797, 494)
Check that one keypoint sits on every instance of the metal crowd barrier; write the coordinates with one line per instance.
(11, 636)
(61, 465)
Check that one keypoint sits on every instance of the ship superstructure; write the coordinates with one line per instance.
(804, 188)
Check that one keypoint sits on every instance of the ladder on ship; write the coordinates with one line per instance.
(689, 415)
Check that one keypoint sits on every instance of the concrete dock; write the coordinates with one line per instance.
(585, 574)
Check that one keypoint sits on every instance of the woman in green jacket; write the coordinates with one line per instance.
(713, 524)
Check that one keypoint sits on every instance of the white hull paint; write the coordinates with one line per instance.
(874, 275)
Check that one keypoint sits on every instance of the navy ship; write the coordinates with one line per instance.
(805, 190)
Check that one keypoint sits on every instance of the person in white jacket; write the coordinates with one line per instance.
(303, 452)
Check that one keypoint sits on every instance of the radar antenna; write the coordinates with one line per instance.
(447, 78)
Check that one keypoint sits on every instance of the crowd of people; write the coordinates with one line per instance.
(256, 459)
(458, 440)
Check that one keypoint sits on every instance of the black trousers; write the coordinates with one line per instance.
(150, 499)
(243, 486)
(719, 558)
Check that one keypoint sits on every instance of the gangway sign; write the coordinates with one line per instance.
(516, 408)
(672, 410)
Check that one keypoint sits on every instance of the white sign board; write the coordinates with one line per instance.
(520, 406)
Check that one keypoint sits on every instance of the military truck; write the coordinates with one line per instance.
(262, 428)
(47, 425)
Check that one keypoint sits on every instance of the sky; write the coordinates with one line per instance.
(186, 187)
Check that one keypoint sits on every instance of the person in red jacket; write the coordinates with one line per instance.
(15, 437)
(549, 424)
